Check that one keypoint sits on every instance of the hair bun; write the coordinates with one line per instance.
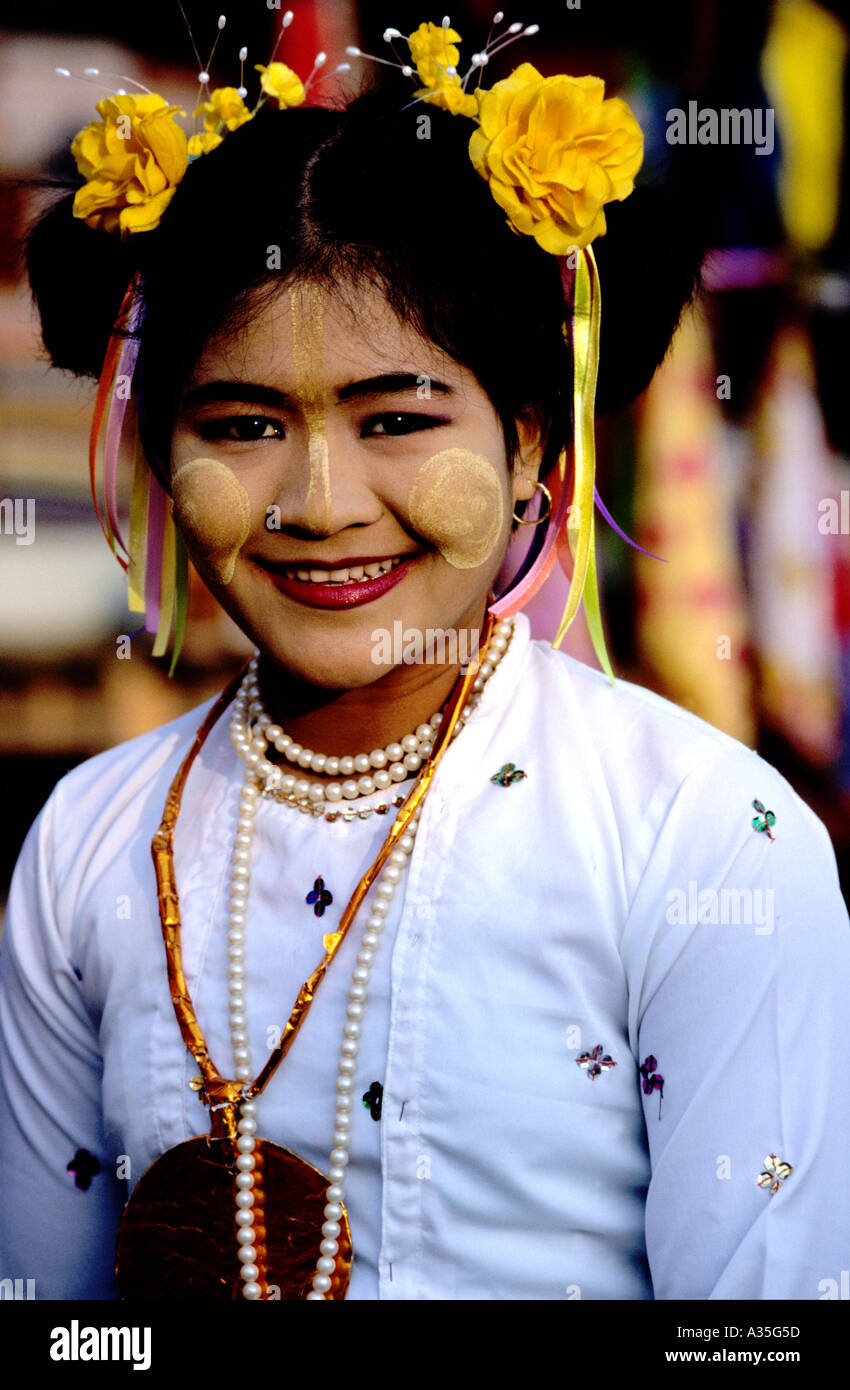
(78, 278)
(649, 264)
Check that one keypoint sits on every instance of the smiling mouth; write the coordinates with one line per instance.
(355, 574)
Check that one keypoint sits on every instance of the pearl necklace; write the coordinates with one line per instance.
(246, 740)
(377, 770)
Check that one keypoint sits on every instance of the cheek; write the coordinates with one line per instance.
(457, 502)
(213, 510)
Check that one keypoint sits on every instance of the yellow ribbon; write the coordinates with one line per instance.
(174, 592)
(168, 584)
(587, 313)
(138, 532)
(181, 598)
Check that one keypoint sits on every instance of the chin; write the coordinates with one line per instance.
(336, 670)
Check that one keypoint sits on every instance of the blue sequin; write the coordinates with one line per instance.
(319, 897)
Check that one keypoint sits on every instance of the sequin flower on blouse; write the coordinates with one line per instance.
(319, 897)
(84, 1166)
(764, 820)
(652, 1079)
(776, 1173)
(373, 1099)
(595, 1062)
(508, 774)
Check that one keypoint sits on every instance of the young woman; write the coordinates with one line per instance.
(582, 1039)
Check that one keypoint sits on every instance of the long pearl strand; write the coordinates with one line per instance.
(250, 743)
(239, 1037)
(389, 880)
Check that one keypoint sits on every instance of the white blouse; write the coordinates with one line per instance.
(607, 1016)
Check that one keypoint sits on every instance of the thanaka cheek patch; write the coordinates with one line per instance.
(457, 503)
(213, 511)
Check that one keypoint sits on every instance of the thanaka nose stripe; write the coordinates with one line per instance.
(307, 314)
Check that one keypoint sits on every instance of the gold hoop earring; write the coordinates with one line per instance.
(546, 515)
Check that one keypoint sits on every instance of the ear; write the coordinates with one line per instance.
(531, 449)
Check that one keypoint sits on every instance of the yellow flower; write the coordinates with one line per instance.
(224, 108)
(451, 96)
(432, 49)
(554, 152)
(202, 143)
(132, 160)
(224, 111)
(281, 82)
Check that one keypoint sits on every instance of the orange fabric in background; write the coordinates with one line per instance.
(692, 622)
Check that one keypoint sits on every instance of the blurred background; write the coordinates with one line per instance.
(734, 465)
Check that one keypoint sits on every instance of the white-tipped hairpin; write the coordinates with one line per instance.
(318, 62)
(90, 74)
(204, 74)
(285, 23)
(495, 44)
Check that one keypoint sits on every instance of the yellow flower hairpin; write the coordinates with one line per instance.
(224, 110)
(435, 56)
(134, 157)
(132, 160)
(554, 151)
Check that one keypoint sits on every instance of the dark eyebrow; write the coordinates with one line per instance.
(267, 395)
(395, 381)
(232, 391)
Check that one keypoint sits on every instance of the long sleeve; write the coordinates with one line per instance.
(737, 950)
(57, 1225)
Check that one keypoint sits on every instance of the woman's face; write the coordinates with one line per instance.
(334, 474)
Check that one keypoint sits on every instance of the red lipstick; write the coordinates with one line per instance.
(350, 595)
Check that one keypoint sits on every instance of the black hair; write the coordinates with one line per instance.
(368, 191)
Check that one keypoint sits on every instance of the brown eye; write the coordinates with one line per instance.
(243, 429)
(399, 423)
(247, 427)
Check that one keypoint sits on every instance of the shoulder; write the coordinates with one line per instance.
(661, 769)
(626, 716)
(622, 734)
(140, 757)
(124, 787)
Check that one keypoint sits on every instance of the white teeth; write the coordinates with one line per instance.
(357, 574)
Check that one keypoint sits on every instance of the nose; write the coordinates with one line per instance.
(318, 503)
(325, 492)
